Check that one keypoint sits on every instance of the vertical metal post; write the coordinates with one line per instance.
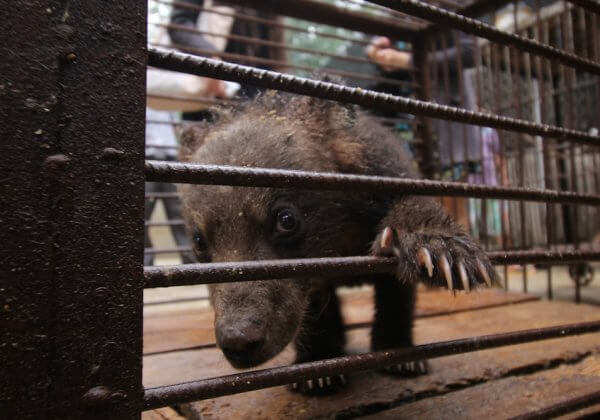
(421, 48)
(71, 246)
(542, 36)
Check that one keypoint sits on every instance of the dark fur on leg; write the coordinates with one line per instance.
(392, 328)
(321, 337)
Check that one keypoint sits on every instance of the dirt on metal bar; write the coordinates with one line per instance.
(207, 67)
(186, 173)
(189, 274)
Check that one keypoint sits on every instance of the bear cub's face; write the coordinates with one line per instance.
(255, 320)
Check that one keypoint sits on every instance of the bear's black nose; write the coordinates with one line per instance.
(241, 342)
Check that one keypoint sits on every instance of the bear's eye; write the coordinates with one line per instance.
(287, 223)
(199, 242)
(287, 226)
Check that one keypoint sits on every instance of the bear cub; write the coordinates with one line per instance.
(255, 320)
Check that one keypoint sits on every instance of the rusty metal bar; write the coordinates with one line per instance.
(475, 27)
(270, 22)
(171, 250)
(567, 77)
(269, 62)
(542, 35)
(174, 60)
(265, 378)
(561, 408)
(155, 195)
(200, 100)
(189, 274)
(288, 47)
(327, 14)
(172, 222)
(187, 173)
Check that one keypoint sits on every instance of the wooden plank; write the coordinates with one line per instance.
(370, 391)
(526, 394)
(181, 326)
(165, 413)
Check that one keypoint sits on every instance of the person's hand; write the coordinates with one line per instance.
(215, 88)
(381, 52)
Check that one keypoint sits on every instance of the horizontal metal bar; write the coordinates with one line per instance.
(319, 12)
(172, 250)
(190, 274)
(155, 195)
(265, 378)
(201, 66)
(476, 27)
(172, 222)
(347, 75)
(198, 99)
(271, 22)
(562, 407)
(287, 47)
(187, 173)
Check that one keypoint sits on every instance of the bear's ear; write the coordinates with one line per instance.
(330, 114)
(193, 137)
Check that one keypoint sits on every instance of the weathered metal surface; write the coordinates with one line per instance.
(186, 63)
(371, 392)
(189, 173)
(71, 166)
(188, 274)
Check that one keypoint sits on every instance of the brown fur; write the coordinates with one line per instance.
(237, 223)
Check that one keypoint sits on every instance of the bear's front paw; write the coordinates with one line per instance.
(407, 369)
(320, 386)
(456, 261)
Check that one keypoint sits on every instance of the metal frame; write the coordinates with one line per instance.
(72, 209)
(71, 285)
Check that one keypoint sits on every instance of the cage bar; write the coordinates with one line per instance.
(200, 66)
(189, 274)
(188, 173)
(248, 381)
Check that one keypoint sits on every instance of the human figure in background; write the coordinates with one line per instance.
(211, 45)
(161, 144)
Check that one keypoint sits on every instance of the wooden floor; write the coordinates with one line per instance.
(496, 383)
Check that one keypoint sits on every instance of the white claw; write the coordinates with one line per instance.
(484, 274)
(445, 266)
(462, 272)
(411, 366)
(328, 381)
(387, 237)
(342, 379)
(321, 383)
(295, 386)
(310, 384)
(424, 258)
